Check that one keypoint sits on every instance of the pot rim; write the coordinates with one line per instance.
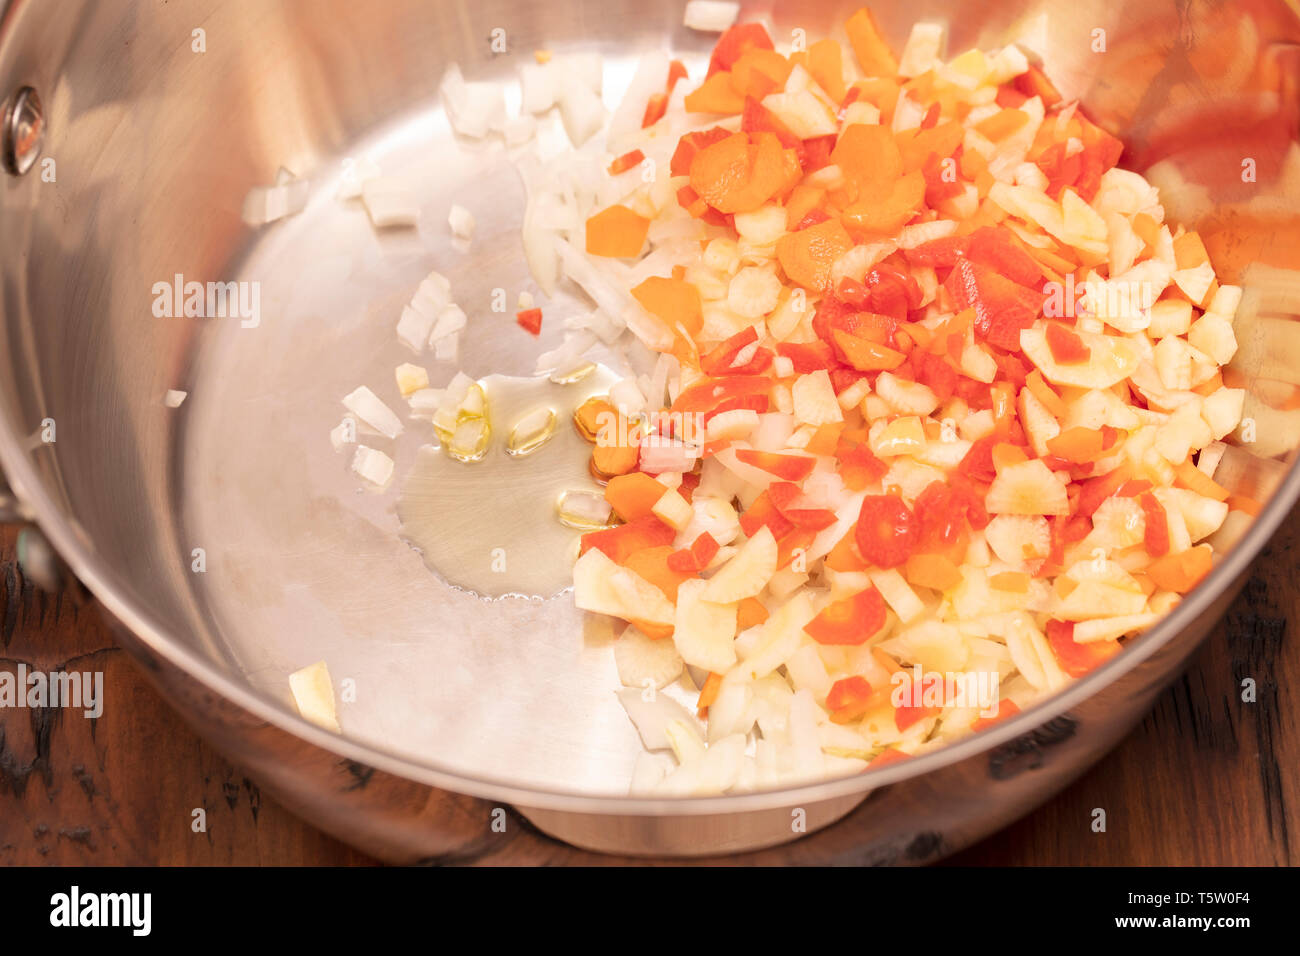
(97, 575)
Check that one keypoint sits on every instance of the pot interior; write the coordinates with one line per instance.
(156, 146)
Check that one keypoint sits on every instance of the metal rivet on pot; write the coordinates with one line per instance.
(24, 130)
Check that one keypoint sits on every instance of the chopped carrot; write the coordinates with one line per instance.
(750, 613)
(844, 556)
(743, 171)
(825, 440)
(633, 495)
(1078, 444)
(869, 155)
(802, 201)
(866, 355)
(1182, 571)
(826, 64)
(1148, 230)
(617, 232)
(932, 571)
(673, 301)
(873, 53)
(717, 94)
(709, 692)
(918, 146)
(652, 564)
(1189, 251)
(1017, 582)
(1210, 386)
(656, 632)
(886, 757)
(1006, 708)
(1036, 384)
(849, 698)
(889, 212)
(609, 459)
(1005, 454)
(591, 415)
(758, 73)
(807, 255)
(1066, 346)
(1188, 476)
(1002, 124)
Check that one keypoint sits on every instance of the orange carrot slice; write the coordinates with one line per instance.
(873, 53)
(672, 300)
(1192, 478)
(633, 496)
(1182, 571)
(807, 255)
(616, 232)
(717, 94)
(866, 355)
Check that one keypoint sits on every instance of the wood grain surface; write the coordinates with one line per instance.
(1206, 779)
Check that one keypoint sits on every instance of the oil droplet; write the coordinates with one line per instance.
(490, 526)
(584, 510)
(531, 432)
(574, 375)
(469, 442)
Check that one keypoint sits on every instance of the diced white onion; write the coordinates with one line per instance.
(368, 407)
(710, 16)
(372, 465)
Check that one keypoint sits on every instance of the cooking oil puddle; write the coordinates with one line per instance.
(491, 526)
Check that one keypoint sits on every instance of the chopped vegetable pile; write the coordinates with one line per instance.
(938, 406)
(935, 398)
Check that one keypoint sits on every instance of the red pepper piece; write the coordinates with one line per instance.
(1077, 659)
(718, 360)
(934, 372)
(994, 247)
(764, 512)
(692, 143)
(734, 42)
(938, 253)
(941, 518)
(709, 394)
(859, 467)
(626, 539)
(916, 710)
(625, 162)
(807, 356)
(1006, 708)
(1002, 307)
(786, 467)
(530, 320)
(696, 558)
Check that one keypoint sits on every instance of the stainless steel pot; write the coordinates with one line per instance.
(152, 123)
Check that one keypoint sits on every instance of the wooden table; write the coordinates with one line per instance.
(1206, 779)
